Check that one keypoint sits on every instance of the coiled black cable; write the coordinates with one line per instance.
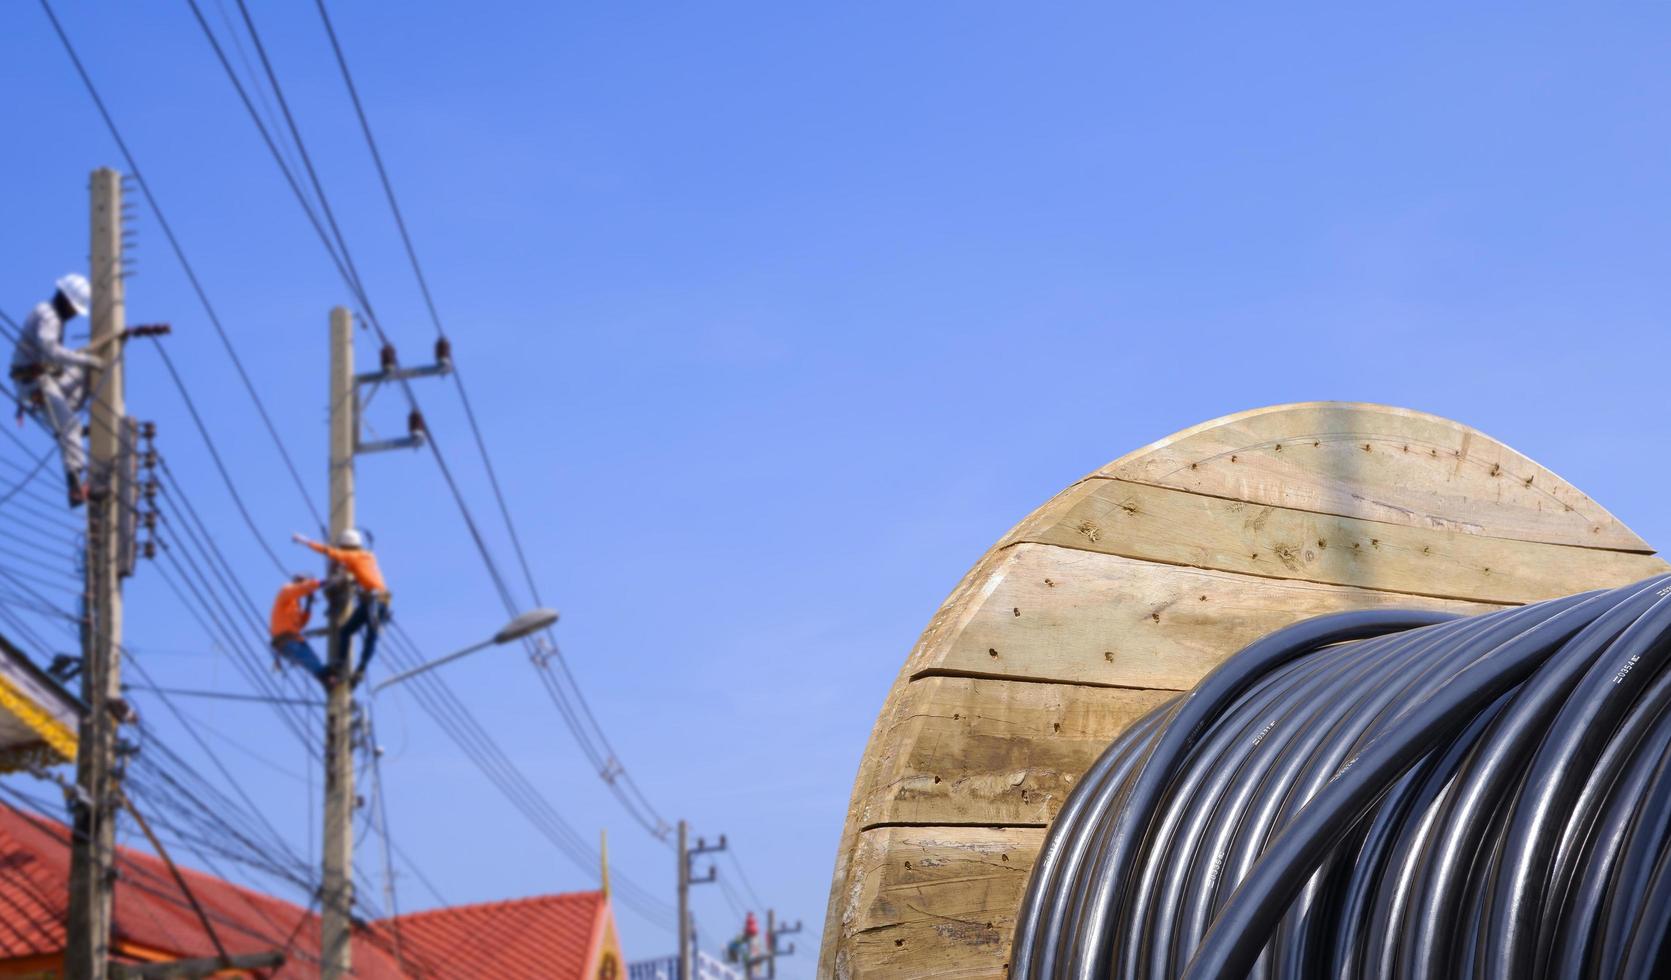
(1382, 794)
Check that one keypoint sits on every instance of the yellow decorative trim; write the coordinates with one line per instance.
(50, 729)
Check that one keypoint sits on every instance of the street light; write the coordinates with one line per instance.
(529, 622)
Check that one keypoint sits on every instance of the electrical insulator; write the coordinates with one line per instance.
(388, 357)
(415, 423)
(444, 352)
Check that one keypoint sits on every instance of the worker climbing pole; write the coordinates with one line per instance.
(52, 379)
(357, 603)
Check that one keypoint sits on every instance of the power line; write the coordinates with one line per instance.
(349, 272)
(214, 453)
(382, 172)
(743, 875)
(224, 695)
(180, 254)
(135, 874)
(454, 720)
(607, 761)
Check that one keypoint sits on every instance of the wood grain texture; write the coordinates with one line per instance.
(968, 750)
(944, 622)
(1134, 520)
(1133, 584)
(1379, 463)
(1057, 614)
(932, 901)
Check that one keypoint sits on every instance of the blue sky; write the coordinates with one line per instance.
(776, 317)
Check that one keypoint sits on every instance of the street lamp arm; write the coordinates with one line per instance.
(529, 622)
(431, 665)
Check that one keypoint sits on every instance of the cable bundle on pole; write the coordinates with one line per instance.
(1378, 794)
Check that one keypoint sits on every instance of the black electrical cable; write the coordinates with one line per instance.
(1386, 794)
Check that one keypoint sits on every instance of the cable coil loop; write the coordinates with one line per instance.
(1383, 794)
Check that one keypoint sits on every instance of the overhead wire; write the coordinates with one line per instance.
(209, 310)
(606, 761)
(351, 274)
(180, 254)
(136, 875)
(444, 707)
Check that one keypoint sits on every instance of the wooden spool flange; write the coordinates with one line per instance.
(1132, 584)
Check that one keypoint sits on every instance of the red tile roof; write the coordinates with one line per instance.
(550, 936)
(150, 911)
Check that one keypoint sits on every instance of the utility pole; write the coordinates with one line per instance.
(687, 950)
(337, 900)
(769, 957)
(684, 905)
(773, 931)
(337, 886)
(92, 857)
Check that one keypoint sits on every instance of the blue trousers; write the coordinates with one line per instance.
(297, 651)
(370, 613)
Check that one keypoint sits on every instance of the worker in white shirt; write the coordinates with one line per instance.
(51, 379)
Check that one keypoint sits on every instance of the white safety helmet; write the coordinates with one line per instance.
(77, 290)
(350, 538)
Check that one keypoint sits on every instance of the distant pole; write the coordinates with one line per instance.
(685, 972)
(337, 900)
(687, 934)
(773, 931)
(92, 855)
(603, 860)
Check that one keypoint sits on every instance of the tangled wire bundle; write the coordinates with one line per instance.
(1380, 794)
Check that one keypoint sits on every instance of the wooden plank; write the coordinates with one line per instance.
(932, 901)
(967, 750)
(1061, 614)
(1177, 527)
(1087, 619)
(1377, 463)
(945, 621)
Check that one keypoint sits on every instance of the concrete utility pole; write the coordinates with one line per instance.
(92, 856)
(337, 901)
(768, 959)
(684, 905)
(687, 943)
(773, 931)
(337, 888)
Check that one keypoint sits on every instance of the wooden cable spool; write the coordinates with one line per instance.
(1132, 584)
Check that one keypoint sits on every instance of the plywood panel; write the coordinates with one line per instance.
(1378, 463)
(1172, 526)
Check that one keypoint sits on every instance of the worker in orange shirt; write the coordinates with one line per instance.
(371, 606)
(291, 611)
